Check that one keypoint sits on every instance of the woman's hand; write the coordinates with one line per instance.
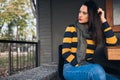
(102, 15)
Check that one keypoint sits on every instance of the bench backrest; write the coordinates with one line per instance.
(60, 63)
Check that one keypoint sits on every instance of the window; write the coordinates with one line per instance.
(113, 14)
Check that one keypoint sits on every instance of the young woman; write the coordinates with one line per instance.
(80, 41)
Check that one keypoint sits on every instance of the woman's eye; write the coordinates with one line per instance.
(85, 13)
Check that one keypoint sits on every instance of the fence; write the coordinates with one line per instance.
(16, 56)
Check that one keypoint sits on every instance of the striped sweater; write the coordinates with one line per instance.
(70, 41)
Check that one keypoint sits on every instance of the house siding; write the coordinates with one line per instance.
(44, 31)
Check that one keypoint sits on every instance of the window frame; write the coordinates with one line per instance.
(109, 15)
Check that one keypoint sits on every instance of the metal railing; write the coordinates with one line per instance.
(16, 56)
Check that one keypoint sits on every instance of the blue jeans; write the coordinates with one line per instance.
(86, 72)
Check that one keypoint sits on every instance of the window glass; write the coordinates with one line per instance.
(116, 12)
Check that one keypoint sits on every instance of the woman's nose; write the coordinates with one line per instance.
(80, 14)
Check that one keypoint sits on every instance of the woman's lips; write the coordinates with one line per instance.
(80, 19)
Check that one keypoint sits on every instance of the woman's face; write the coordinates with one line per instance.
(83, 15)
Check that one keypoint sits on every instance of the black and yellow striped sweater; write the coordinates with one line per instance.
(70, 41)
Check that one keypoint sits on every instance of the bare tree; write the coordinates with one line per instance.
(33, 7)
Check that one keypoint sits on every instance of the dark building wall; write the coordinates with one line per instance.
(54, 16)
(64, 12)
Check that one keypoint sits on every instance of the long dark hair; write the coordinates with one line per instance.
(94, 22)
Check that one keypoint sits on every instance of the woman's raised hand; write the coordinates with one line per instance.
(102, 15)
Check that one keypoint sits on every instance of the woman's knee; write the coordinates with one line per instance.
(98, 72)
(97, 68)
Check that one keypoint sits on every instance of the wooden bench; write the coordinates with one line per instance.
(113, 52)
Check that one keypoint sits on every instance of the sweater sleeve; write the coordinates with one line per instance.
(68, 49)
(110, 38)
